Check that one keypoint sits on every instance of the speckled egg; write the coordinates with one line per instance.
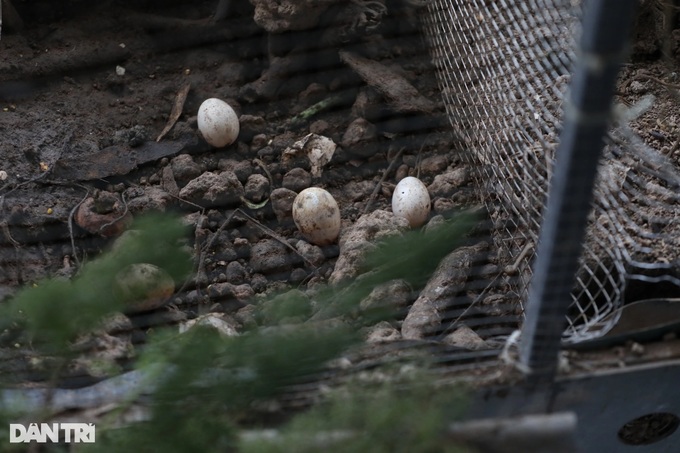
(411, 201)
(218, 122)
(317, 216)
(144, 286)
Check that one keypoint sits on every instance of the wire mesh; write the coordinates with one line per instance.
(504, 68)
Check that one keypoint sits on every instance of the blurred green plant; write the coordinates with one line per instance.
(405, 412)
(54, 312)
(209, 387)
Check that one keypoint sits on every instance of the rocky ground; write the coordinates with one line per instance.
(87, 92)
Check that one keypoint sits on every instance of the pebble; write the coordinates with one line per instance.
(259, 141)
(355, 240)
(433, 165)
(319, 127)
(382, 332)
(230, 296)
(297, 179)
(298, 275)
(445, 185)
(250, 126)
(236, 273)
(259, 283)
(359, 132)
(310, 252)
(282, 204)
(214, 189)
(269, 256)
(153, 199)
(466, 338)
(395, 294)
(184, 168)
(401, 173)
(257, 188)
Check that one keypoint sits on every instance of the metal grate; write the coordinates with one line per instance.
(504, 68)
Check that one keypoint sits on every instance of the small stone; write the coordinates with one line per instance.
(246, 315)
(314, 93)
(242, 169)
(443, 205)
(434, 223)
(357, 239)
(445, 185)
(231, 297)
(319, 127)
(466, 338)
(153, 199)
(382, 332)
(259, 141)
(184, 168)
(236, 273)
(298, 275)
(310, 252)
(410, 160)
(297, 180)
(266, 153)
(282, 204)
(426, 314)
(250, 126)
(257, 188)
(367, 103)
(168, 182)
(401, 173)
(223, 324)
(395, 294)
(637, 349)
(213, 189)
(133, 137)
(433, 165)
(359, 190)
(259, 283)
(637, 87)
(358, 133)
(269, 256)
(243, 292)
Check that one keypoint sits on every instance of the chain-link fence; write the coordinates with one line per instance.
(504, 68)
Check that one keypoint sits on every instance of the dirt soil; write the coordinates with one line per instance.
(86, 89)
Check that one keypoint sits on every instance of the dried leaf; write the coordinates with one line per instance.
(252, 205)
(176, 111)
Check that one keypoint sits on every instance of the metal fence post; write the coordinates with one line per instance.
(606, 28)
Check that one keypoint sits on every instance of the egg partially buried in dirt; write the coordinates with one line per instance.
(411, 201)
(144, 286)
(218, 122)
(317, 216)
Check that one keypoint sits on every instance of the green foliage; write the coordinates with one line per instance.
(415, 255)
(408, 413)
(209, 386)
(54, 312)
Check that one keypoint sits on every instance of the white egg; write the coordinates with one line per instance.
(317, 216)
(218, 122)
(411, 201)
